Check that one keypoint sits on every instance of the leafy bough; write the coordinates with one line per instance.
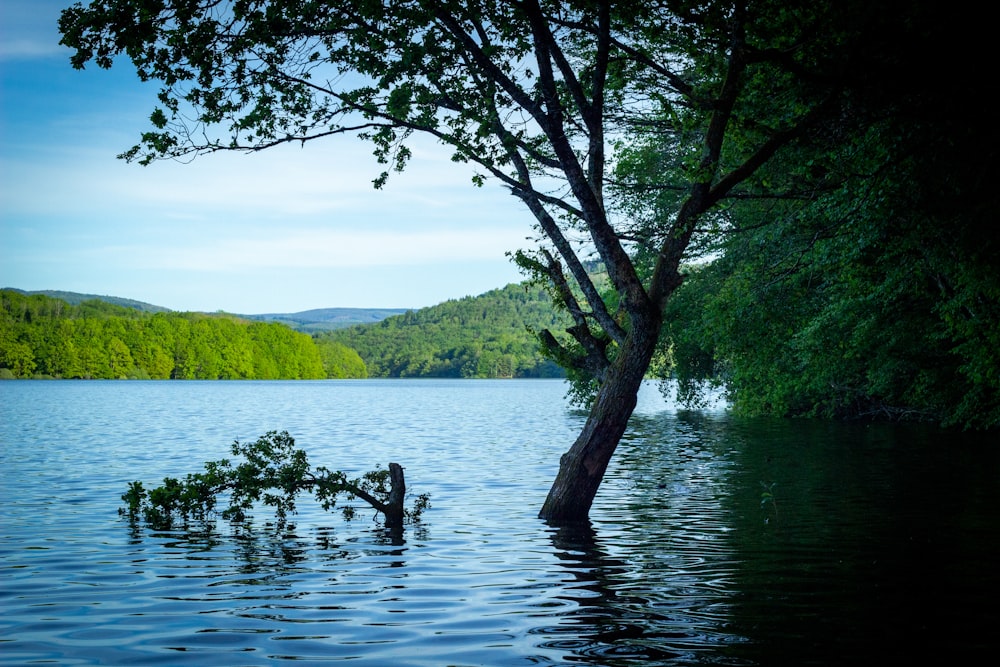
(273, 472)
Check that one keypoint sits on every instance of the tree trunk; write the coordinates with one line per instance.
(582, 468)
(394, 512)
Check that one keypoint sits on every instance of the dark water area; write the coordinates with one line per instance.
(714, 540)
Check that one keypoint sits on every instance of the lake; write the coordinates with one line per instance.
(714, 540)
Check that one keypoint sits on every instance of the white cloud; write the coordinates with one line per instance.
(16, 49)
(311, 249)
(324, 179)
(28, 29)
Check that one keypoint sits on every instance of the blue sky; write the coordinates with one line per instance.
(280, 231)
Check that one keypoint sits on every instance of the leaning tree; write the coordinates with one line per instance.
(541, 96)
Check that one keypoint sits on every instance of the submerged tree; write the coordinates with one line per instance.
(541, 96)
(272, 472)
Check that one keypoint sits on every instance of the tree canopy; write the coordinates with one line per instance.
(873, 292)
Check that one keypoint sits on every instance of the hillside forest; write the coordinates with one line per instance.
(476, 337)
(487, 336)
(41, 336)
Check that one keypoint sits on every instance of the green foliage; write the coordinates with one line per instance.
(268, 472)
(876, 297)
(853, 274)
(340, 361)
(47, 337)
(488, 336)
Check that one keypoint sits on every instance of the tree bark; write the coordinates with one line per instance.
(394, 512)
(392, 509)
(582, 468)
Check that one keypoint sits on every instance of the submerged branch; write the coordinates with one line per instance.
(274, 473)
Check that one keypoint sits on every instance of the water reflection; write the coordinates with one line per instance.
(653, 573)
(615, 617)
(771, 542)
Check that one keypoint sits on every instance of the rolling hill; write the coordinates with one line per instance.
(306, 321)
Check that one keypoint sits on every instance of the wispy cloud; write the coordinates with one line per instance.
(322, 179)
(28, 29)
(23, 49)
(331, 249)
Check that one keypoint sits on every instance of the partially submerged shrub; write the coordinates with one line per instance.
(273, 472)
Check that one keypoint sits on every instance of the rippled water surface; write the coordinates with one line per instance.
(714, 540)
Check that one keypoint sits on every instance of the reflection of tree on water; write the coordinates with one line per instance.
(652, 574)
(865, 558)
(610, 623)
(271, 552)
(682, 561)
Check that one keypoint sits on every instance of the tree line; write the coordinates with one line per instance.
(486, 336)
(45, 337)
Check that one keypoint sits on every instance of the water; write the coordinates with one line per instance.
(714, 540)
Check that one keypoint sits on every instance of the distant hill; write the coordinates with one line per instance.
(76, 298)
(327, 319)
(306, 321)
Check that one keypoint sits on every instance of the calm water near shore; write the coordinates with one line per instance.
(714, 541)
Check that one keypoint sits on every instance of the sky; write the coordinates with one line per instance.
(281, 231)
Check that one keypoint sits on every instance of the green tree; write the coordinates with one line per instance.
(64, 358)
(873, 292)
(340, 361)
(14, 354)
(309, 363)
(849, 308)
(533, 94)
(120, 361)
(89, 340)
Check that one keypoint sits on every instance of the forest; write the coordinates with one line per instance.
(487, 336)
(869, 289)
(41, 336)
